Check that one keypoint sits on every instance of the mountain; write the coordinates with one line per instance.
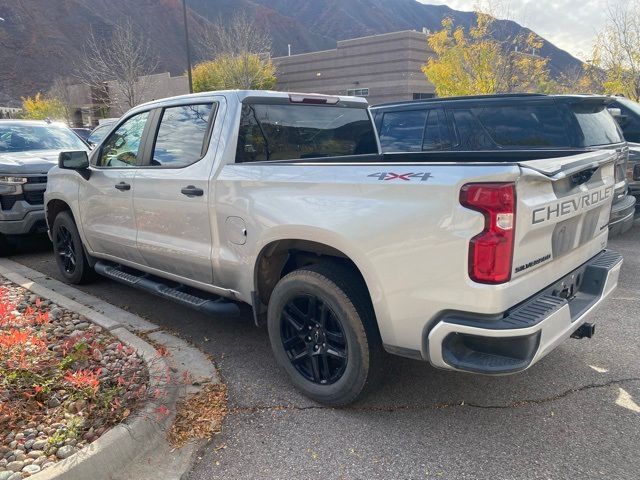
(39, 40)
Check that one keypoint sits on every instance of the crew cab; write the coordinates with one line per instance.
(511, 122)
(284, 202)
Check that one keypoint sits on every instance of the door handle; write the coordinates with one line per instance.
(192, 191)
(122, 186)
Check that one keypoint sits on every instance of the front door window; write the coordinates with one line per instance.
(123, 147)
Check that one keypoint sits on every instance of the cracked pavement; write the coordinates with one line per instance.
(576, 414)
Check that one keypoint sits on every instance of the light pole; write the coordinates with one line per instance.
(186, 39)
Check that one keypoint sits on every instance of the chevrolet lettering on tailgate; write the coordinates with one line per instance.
(569, 207)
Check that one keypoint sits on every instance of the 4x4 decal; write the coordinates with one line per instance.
(407, 177)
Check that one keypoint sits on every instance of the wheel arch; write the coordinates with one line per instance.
(279, 256)
(54, 208)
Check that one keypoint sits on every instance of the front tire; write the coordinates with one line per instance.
(69, 252)
(323, 333)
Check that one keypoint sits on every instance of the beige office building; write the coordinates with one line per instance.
(382, 68)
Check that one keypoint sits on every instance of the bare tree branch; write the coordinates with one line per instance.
(240, 36)
(122, 63)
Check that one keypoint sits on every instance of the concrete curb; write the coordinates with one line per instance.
(143, 433)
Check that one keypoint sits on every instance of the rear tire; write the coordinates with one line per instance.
(69, 251)
(324, 334)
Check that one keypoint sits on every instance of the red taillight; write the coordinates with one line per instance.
(491, 252)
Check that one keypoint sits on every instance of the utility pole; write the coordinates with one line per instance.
(186, 39)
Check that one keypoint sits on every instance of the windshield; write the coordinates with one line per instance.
(24, 138)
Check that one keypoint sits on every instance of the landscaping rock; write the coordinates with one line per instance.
(35, 454)
(31, 469)
(72, 412)
(39, 444)
(15, 466)
(65, 451)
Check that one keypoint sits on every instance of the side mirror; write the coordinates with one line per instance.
(76, 160)
(616, 113)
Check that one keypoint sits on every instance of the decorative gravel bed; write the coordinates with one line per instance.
(63, 382)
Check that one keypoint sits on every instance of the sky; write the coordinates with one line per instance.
(569, 24)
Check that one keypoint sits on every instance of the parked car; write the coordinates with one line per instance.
(629, 119)
(28, 149)
(492, 123)
(284, 202)
(633, 173)
(98, 133)
(628, 116)
(83, 133)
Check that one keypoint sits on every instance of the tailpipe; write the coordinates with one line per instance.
(586, 330)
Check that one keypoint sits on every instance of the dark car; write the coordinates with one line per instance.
(629, 119)
(633, 173)
(83, 133)
(98, 133)
(510, 122)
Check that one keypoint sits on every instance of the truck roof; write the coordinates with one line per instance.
(512, 97)
(269, 95)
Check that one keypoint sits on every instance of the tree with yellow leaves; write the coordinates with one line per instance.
(243, 71)
(40, 107)
(616, 53)
(474, 62)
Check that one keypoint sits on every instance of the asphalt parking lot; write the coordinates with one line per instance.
(574, 415)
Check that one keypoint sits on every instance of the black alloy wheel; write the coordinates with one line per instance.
(69, 252)
(314, 340)
(323, 332)
(65, 249)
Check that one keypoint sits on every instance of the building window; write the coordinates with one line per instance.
(422, 96)
(358, 92)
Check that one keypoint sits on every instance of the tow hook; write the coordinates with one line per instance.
(586, 330)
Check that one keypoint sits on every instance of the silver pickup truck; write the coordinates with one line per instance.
(284, 202)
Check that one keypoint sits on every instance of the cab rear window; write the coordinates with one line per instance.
(289, 132)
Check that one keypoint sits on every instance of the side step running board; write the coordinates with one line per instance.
(187, 296)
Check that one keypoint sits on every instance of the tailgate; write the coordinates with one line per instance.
(563, 211)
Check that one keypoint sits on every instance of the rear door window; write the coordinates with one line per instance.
(524, 126)
(437, 135)
(181, 136)
(289, 132)
(414, 131)
(403, 131)
(471, 134)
